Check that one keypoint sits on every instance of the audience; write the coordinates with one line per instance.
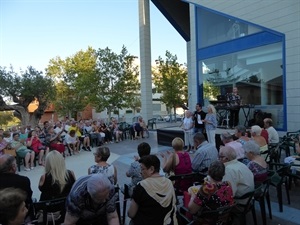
(205, 154)
(153, 200)
(92, 200)
(101, 156)
(213, 194)
(57, 181)
(257, 164)
(135, 168)
(238, 174)
(12, 206)
(180, 163)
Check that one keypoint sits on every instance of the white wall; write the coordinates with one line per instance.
(279, 15)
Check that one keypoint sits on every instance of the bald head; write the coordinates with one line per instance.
(7, 164)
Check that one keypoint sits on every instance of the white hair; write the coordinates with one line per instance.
(256, 129)
(98, 183)
(251, 146)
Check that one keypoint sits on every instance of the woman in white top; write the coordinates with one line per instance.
(188, 126)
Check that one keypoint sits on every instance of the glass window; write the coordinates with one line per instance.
(257, 73)
(216, 28)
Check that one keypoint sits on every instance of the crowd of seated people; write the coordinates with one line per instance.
(96, 190)
(36, 143)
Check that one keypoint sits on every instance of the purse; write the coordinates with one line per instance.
(10, 152)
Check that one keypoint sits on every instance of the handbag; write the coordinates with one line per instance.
(10, 151)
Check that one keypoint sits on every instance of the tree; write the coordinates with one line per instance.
(31, 85)
(74, 78)
(170, 78)
(210, 90)
(102, 78)
(6, 117)
(116, 82)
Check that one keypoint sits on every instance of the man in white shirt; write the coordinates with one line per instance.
(60, 130)
(273, 134)
(238, 174)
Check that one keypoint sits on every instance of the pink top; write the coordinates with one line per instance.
(184, 167)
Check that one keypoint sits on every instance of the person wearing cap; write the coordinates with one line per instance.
(92, 200)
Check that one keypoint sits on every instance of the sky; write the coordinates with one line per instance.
(34, 31)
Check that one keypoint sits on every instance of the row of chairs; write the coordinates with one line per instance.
(53, 211)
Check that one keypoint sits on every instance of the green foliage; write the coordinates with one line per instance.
(74, 77)
(101, 78)
(171, 78)
(210, 91)
(5, 118)
(116, 80)
(23, 89)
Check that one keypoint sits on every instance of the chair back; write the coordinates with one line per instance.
(189, 178)
(51, 206)
(221, 215)
(241, 210)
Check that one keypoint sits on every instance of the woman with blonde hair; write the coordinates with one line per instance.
(211, 124)
(101, 156)
(57, 180)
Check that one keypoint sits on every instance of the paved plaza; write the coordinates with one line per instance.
(122, 155)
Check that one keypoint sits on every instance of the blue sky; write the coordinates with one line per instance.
(34, 31)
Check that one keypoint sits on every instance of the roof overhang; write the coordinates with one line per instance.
(177, 13)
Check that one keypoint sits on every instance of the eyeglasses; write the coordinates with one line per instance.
(222, 156)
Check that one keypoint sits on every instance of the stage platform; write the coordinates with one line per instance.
(166, 135)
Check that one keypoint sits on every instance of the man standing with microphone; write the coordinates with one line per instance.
(198, 118)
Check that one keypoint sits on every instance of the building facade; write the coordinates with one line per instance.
(253, 45)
